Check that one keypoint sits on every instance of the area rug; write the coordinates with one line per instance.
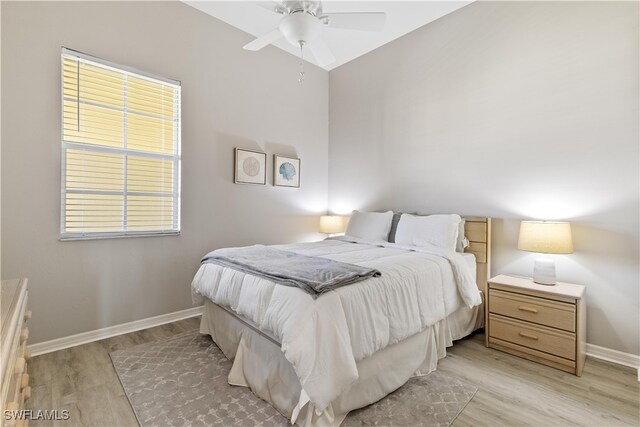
(182, 381)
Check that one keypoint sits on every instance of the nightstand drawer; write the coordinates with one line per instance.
(556, 314)
(552, 341)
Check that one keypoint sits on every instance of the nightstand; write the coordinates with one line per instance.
(545, 324)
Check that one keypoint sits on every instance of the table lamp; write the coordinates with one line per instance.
(331, 224)
(547, 237)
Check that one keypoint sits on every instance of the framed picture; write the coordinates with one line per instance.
(251, 167)
(286, 171)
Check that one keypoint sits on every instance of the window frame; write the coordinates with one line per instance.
(176, 157)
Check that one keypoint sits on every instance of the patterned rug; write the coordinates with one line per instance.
(183, 381)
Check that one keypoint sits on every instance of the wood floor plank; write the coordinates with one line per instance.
(90, 407)
(511, 391)
(122, 412)
(540, 395)
(40, 369)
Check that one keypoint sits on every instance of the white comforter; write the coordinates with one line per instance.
(324, 338)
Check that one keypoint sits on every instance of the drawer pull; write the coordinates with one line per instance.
(19, 366)
(24, 335)
(526, 335)
(24, 381)
(26, 393)
(528, 309)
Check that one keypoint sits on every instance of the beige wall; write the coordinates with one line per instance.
(230, 98)
(511, 110)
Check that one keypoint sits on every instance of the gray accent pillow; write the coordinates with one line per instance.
(394, 226)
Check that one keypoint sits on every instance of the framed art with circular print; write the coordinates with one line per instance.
(286, 171)
(250, 167)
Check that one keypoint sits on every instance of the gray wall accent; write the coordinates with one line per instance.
(511, 110)
(230, 98)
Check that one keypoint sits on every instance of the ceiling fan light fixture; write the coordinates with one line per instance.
(303, 22)
(300, 27)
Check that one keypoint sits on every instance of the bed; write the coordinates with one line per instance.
(315, 359)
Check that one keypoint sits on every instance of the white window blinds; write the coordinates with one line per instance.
(120, 150)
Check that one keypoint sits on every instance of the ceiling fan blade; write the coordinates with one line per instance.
(322, 53)
(363, 21)
(263, 40)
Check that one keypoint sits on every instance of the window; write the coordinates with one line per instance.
(120, 150)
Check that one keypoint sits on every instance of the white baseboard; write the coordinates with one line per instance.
(614, 356)
(112, 331)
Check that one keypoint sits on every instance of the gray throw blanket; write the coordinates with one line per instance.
(314, 275)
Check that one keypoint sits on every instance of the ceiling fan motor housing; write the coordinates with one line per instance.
(300, 27)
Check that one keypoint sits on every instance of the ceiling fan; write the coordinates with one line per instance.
(302, 24)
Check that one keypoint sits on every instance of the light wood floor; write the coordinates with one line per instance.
(511, 391)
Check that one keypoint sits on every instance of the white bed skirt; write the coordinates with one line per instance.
(260, 364)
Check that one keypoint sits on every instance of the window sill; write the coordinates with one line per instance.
(98, 236)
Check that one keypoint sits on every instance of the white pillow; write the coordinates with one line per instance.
(438, 230)
(370, 225)
(462, 241)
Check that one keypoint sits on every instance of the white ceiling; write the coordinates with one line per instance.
(402, 18)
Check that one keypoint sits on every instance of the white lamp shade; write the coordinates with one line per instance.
(549, 237)
(331, 224)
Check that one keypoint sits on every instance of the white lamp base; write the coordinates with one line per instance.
(544, 271)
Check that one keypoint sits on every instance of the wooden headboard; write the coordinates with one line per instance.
(478, 231)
